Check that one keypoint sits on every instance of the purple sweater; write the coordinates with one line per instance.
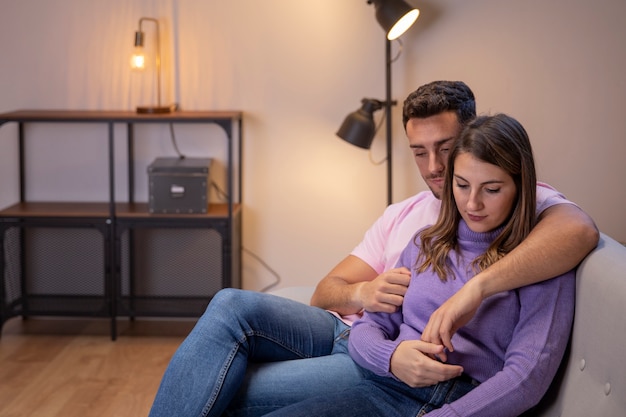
(513, 345)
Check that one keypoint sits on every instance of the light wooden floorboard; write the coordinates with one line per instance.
(72, 368)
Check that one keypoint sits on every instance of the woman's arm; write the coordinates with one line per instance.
(373, 340)
(532, 358)
(373, 344)
(561, 239)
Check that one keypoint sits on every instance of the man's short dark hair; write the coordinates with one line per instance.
(440, 96)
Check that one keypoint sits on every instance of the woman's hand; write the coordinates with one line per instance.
(455, 313)
(411, 364)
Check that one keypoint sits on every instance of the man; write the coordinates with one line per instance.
(297, 351)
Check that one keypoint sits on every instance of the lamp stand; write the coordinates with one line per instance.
(158, 109)
(389, 103)
(358, 128)
(154, 109)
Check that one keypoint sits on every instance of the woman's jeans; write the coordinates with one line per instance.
(294, 351)
(381, 396)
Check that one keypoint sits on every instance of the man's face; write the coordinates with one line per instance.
(431, 139)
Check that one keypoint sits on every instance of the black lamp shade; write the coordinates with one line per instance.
(358, 128)
(394, 16)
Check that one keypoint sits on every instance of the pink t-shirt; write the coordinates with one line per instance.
(389, 235)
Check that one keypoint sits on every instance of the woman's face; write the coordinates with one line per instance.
(484, 193)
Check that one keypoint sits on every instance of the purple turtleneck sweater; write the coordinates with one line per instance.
(513, 345)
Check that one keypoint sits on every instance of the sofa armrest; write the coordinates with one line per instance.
(592, 377)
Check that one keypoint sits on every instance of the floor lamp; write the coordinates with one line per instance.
(358, 128)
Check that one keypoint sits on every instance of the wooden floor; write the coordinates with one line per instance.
(72, 368)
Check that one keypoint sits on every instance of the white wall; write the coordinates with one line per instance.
(296, 69)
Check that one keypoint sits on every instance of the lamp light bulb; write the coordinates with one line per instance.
(138, 60)
(403, 24)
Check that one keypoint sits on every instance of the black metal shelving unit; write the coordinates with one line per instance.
(109, 233)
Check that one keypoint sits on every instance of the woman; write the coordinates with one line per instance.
(509, 353)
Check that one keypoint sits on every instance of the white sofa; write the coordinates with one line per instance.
(592, 377)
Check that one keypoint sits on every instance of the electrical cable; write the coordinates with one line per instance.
(220, 193)
(380, 123)
(173, 137)
(395, 58)
(224, 196)
(266, 266)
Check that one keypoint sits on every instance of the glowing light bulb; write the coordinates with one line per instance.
(138, 59)
(403, 24)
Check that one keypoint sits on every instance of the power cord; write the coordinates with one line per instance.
(220, 193)
(174, 144)
(380, 123)
(266, 266)
(224, 197)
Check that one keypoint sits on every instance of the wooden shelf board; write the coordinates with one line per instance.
(56, 209)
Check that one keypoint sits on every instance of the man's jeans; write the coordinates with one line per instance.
(306, 348)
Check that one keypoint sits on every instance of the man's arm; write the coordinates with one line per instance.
(561, 239)
(353, 285)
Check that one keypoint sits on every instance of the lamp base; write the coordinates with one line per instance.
(155, 109)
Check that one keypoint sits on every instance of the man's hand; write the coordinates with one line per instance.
(455, 313)
(411, 364)
(385, 293)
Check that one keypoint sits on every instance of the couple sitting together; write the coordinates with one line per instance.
(458, 302)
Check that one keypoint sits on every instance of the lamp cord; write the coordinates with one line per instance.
(378, 126)
(220, 193)
(173, 137)
(266, 266)
(401, 46)
(223, 195)
(277, 280)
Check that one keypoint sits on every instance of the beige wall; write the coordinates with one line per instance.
(296, 69)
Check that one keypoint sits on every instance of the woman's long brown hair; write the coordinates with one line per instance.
(502, 141)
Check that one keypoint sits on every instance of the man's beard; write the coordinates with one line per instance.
(436, 192)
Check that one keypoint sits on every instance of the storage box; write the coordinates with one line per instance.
(179, 185)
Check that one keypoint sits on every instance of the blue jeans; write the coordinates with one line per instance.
(381, 396)
(294, 351)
